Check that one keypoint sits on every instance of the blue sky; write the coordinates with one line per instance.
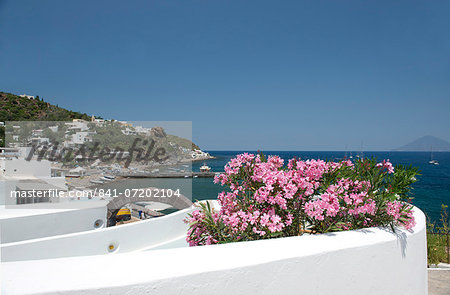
(270, 75)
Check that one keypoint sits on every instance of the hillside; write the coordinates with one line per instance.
(426, 144)
(16, 108)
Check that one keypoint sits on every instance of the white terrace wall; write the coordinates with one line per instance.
(22, 223)
(373, 261)
(23, 168)
(162, 232)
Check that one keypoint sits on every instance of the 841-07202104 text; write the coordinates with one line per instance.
(140, 193)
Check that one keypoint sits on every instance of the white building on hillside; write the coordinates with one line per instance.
(78, 125)
(27, 96)
(129, 131)
(142, 130)
(82, 137)
(199, 154)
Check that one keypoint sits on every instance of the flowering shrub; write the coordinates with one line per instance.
(267, 199)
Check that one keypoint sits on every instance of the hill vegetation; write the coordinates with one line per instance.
(17, 108)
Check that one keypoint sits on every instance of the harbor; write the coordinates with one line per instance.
(169, 175)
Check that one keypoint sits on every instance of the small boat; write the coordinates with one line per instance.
(205, 168)
(96, 181)
(104, 178)
(109, 177)
(432, 161)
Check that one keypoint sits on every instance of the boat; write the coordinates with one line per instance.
(205, 168)
(96, 181)
(432, 161)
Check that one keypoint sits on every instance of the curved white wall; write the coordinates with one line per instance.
(162, 232)
(371, 261)
(34, 221)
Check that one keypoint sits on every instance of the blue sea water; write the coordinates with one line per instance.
(430, 191)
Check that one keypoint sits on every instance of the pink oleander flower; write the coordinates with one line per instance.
(267, 198)
(393, 209)
(386, 165)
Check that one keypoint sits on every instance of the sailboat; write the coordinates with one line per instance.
(432, 161)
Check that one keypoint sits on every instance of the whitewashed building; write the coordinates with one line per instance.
(26, 96)
(82, 137)
(77, 125)
(129, 131)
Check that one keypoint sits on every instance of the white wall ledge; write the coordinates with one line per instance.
(370, 261)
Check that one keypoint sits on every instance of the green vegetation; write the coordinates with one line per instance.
(16, 108)
(438, 239)
(109, 135)
(183, 142)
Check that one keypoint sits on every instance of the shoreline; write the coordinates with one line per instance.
(138, 171)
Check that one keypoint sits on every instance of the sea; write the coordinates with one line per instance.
(431, 190)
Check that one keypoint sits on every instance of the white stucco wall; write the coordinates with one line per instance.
(162, 232)
(371, 261)
(8, 187)
(25, 222)
(14, 171)
(5, 188)
(23, 168)
(80, 137)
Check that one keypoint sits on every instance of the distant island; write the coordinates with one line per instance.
(426, 144)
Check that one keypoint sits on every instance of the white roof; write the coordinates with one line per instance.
(78, 169)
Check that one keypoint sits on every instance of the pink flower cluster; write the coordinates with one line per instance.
(386, 165)
(398, 211)
(346, 197)
(198, 233)
(268, 199)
